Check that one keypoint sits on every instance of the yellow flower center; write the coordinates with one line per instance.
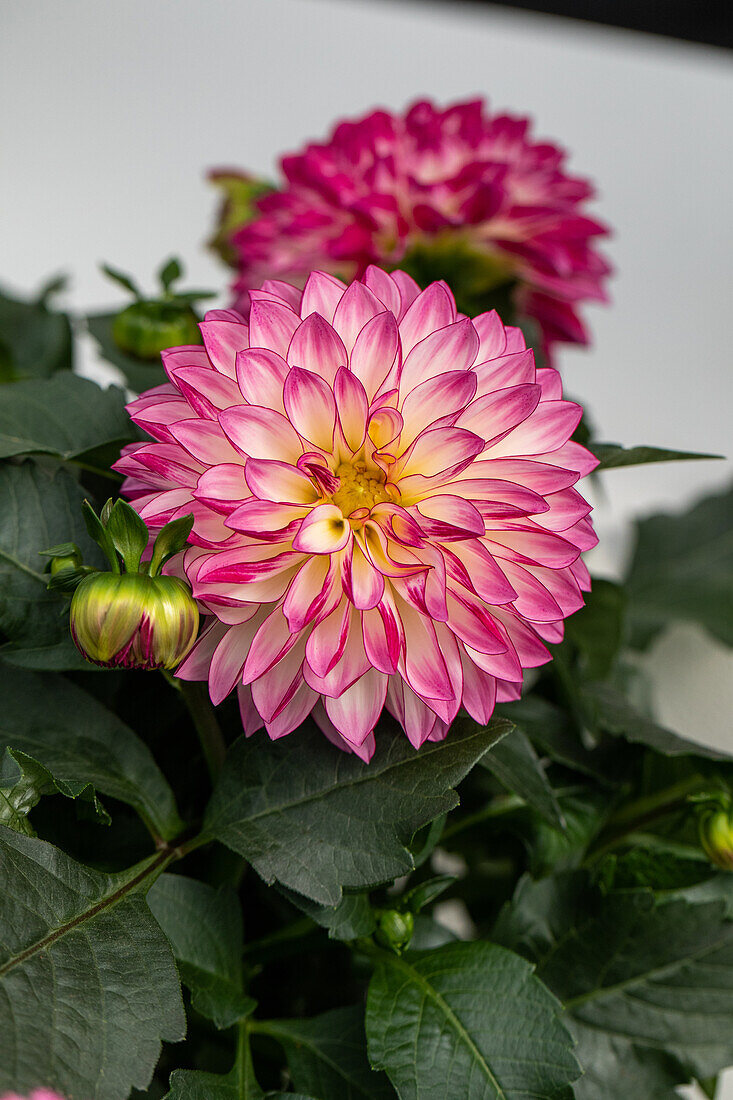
(359, 487)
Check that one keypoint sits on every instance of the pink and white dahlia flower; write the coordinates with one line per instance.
(384, 505)
(458, 194)
(37, 1094)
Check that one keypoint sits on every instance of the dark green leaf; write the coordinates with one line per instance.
(584, 813)
(119, 277)
(129, 534)
(709, 1086)
(327, 1056)
(319, 820)
(351, 918)
(682, 570)
(38, 508)
(23, 781)
(613, 455)
(467, 1020)
(515, 764)
(550, 730)
(171, 540)
(597, 629)
(187, 1084)
(426, 893)
(645, 986)
(80, 743)
(170, 272)
(97, 529)
(428, 934)
(615, 714)
(61, 656)
(139, 373)
(88, 985)
(65, 416)
(35, 340)
(204, 927)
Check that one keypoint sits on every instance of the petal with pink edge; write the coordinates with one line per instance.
(323, 531)
(310, 405)
(258, 432)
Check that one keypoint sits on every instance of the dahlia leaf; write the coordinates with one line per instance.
(139, 374)
(204, 927)
(351, 918)
(648, 990)
(88, 985)
(597, 630)
(23, 782)
(611, 712)
(35, 341)
(515, 764)
(318, 820)
(467, 1019)
(65, 416)
(549, 728)
(613, 455)
(123, 280)
(170, 272)
(192, 1084)
(682, 570)
(80, 743)
(38, 508)
(327, 1055)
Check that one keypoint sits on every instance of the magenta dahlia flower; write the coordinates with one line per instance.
(457, 194)
(37, 1094)
(383, 501)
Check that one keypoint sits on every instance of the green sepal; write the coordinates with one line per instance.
(62, 550)
(129, 533)
(171, 540)
(420, 896)
(170, 271)
(97, 532)
(123, 280)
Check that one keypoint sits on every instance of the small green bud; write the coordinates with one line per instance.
(394, 929)
(716, 837)
(131, 620)
(146, 328)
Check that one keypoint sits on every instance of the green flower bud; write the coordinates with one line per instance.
(131, 620)
(716, 837)
(394, 929)
(146, 328)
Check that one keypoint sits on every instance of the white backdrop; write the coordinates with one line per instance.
(113, 111)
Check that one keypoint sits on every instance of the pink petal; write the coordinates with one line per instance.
(261, 376)
(258, 432)
(434, 399)
(312, 593)
(425, 666)
(323, 531)
(206, 390)
(382, 632)
(375, 352)
(317, 347)
(491, 334)
(321, 295)
(251, 719)
(205, 441)
(356, 711)
(363, 584)
(228, 660)
(279, 481)
(357, 306)
(432, 309)
(452, 348)
(310, 405)
(551, 425)
(271, 326)
(222, 487)
(495, 414)
(384, 287)
(353, 408)
(438, 450)
(450, 517)
(222, 340)
(262, 518)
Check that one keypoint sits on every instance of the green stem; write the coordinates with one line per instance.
(642, 812)
(498, 807)
(207, 727)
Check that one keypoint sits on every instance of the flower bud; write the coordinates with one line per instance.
(394, 929)
(146, 328)
(131, 620)
(716, 837)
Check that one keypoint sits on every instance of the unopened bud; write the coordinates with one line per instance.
(146, 328)
(394, 929)
(131, 620)
(716, 837)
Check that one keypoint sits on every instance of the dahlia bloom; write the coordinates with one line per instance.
(458, 194)
(37, 1094)
(383, 502)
